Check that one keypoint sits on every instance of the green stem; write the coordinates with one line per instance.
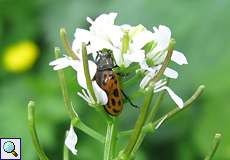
(31, 124)
(69, 107)
(66, 44)
(65, 152)
(187, 104)
(90, 132)
(170, 114)
(165, 63)
(110, 140)
(64, 89)
(86, 71)
(150, 118)
(155, 108)
(216, 142)
(138, 126)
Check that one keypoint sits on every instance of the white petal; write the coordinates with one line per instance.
(161, 122)
(142, 38)
(135, 56)
(86, 98)
(170, 73)
(89, 20)
(81, 36)
(174, 97)
(150, 74)
(160, 83)
(118, 56)
(115, 35)
(100, 41)
(179, 58)
(162, 36)
(81, 75)
(100, 94)
(60, 63)
(71, 140)
(126, 27)
(61, 66)
(106, 18)
(145, 81)
(159, 57)
(144, 65)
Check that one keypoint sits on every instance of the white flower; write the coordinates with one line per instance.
(162, 36)
(137, 37)
(161, 85)
(63, 62)
(77, 65)
(71, 140)
(156, 56)
(103, 32)
(81, 36)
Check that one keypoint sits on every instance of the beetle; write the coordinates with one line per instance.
(108, 80)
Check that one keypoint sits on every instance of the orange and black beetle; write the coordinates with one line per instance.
(108, 81)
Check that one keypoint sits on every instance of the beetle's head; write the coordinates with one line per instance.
(104, 60)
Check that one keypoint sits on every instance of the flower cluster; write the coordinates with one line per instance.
(129, 44)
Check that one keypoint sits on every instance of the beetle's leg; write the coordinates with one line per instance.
(129, 100)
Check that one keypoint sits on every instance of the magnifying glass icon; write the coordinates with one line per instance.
(9, 147)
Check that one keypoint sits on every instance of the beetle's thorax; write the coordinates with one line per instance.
(104, 61)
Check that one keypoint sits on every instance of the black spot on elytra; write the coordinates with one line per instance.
(115, 81)
(113, 102)
(116, 111)
(119, 102)
(115, 92)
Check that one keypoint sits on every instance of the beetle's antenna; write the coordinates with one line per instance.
(97, 56)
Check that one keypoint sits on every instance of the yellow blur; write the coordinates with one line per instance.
(20, 57)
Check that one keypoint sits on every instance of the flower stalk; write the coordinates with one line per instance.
(65, 152)
(64, 89)
(138, 126)
(32, 128)
(169, 114)
(69, 107)
(110, 140)
(66, 44)
(187, 104)
(165, 63)
(86, 71)
(216, 143)
(149, 127)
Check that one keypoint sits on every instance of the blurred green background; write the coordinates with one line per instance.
(201, 29)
